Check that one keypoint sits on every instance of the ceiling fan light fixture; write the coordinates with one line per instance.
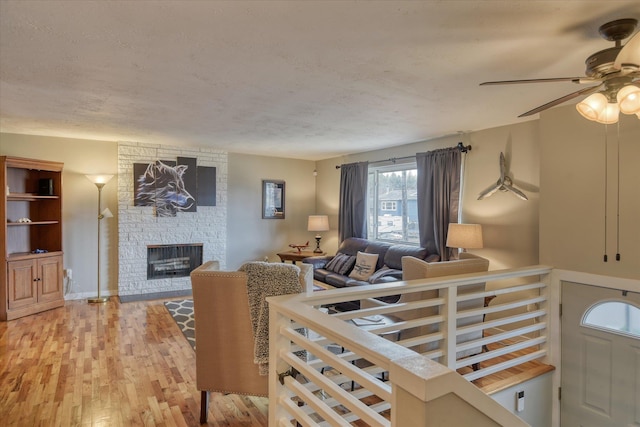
(592, 106)
(610, 114)
(629, 99)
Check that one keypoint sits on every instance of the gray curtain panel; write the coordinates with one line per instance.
(352, 216)
(438, 197)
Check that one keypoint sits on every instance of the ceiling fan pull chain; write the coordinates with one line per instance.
(606, 258)
(618, 199)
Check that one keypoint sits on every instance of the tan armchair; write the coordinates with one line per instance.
(414, 268)
(224, 332)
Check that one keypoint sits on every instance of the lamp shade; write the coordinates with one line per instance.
(629, 99)
(610, 114)
(318, 223)
(592, 106)
(99, 178)
(467, 236)
(106, 213)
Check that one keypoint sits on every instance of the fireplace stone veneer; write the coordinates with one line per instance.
(138, 227)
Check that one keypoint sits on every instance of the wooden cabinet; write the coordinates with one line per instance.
(34, 281)
(31, 216)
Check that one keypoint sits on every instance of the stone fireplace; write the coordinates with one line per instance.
(140, 229)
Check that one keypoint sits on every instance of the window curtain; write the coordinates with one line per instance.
(438, 197)
(352, 216)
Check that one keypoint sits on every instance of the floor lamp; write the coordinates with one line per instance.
(100, 181)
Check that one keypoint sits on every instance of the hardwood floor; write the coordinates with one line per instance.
(107, 365)
(123, 365)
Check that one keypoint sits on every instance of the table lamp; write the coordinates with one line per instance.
(464, 236)
(318, 223)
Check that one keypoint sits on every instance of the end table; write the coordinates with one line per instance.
(294, 256)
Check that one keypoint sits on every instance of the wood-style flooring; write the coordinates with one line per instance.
(121, 364)
(108, 364)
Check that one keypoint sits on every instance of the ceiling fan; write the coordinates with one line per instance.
(614, 71)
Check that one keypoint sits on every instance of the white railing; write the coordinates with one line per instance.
(335, 368)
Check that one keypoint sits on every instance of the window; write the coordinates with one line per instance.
(614, 316)
(388, 206)
(392, 204)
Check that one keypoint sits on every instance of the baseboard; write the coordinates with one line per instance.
(85, 295)
(156, 295)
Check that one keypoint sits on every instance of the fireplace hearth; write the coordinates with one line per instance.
(168, 261)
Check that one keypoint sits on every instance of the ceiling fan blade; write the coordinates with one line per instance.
(558, 101)
(630, 54)
(516, 82)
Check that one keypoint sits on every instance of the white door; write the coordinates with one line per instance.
(600, 357)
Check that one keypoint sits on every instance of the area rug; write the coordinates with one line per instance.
(182, 313)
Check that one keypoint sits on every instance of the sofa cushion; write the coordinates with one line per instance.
(336, 280)
(321, 274)
(317, 261)
(393, 257)
(379, 248)
(364, 267)
(353, 245)
(341, 263)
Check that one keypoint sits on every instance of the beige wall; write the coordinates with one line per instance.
(561, 225)
(510, 225)
(80, 204)
(249, 237)
(572, 208)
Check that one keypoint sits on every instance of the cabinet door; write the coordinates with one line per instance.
(50, 279)
(23, 279)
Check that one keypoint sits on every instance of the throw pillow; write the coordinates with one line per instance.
(341, 264)
(365, 266)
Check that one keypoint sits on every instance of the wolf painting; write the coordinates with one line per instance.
(162, 186)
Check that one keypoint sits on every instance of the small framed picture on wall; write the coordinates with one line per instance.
(273, 199)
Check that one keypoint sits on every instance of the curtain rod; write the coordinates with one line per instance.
(463, 148)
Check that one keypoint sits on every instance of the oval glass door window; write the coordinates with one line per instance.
(614, 316)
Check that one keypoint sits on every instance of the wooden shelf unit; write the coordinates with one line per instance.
(30, 282)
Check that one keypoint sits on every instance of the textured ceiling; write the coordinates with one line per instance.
(302, 79)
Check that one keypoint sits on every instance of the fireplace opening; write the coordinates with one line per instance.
(167, 261)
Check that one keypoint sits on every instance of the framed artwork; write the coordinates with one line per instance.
(174, 186)
(272, 199)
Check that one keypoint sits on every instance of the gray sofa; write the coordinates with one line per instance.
(388, 267)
